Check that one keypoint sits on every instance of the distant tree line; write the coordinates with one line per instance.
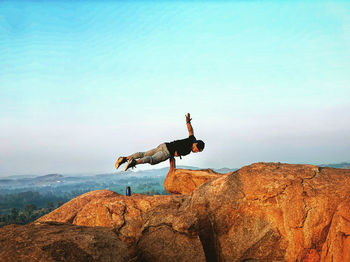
(29, 213)
(25, 207)
(19, 200)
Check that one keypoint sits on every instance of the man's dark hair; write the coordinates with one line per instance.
(200, 145)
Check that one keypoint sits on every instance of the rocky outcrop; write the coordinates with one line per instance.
(269, 211)
(262, 212)
(184, 181)
(154, 228)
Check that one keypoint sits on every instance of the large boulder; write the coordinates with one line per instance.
(184, 181)
(154, 228)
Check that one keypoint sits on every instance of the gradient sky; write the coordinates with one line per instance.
(82, 82)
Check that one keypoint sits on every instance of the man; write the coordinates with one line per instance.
(164, 151)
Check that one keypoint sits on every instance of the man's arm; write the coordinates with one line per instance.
(172, 164)
(188, 123)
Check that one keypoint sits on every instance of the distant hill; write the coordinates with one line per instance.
(31, 182)
(49, 178)
(344, 165)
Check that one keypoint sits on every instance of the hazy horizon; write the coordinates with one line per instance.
(120, 172)
(83, 82)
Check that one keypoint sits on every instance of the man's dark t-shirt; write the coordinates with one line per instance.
(182, 147)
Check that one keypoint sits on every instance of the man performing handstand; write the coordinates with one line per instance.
(164, 151)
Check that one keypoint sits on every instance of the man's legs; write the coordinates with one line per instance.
(121, 160)
(158, 157)
(138, 155)
(154, 156)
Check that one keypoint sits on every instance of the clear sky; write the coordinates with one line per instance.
(82, 82)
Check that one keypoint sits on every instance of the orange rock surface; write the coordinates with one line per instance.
(276, 212)
(262, 212)
(184, 181)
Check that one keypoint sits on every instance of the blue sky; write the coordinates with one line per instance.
(82, 82)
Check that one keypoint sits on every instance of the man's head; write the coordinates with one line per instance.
(198, 146)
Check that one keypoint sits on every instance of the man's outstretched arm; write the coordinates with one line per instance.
(188, 123)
